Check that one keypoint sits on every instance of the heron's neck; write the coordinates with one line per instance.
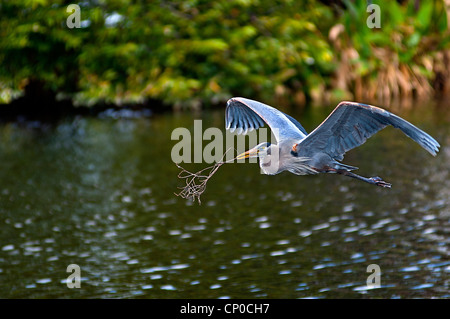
(270, 162)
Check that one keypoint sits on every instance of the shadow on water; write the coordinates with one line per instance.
(99, 193)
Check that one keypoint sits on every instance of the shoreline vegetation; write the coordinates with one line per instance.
(167, 55)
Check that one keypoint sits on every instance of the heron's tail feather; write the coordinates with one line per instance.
(300, 166)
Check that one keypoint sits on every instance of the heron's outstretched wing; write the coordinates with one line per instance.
(245, 115)
(351, 124)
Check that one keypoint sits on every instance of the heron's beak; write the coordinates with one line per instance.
(250, 153)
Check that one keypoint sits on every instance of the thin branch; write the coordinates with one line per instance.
(196, 182)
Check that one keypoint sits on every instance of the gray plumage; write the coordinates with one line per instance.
(347, 127)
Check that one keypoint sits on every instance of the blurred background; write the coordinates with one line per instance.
(199, 53)
(86, 176)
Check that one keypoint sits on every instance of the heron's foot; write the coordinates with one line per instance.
(379, 182)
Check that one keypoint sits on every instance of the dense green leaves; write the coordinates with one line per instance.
(199, 52)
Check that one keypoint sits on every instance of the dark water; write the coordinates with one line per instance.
(99, 193)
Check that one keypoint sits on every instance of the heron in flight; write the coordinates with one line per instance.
(296, 151)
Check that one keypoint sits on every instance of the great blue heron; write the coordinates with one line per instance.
(348, 126)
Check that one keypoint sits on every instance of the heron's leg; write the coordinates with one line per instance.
(371, 180)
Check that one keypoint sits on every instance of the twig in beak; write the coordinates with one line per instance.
(196, 182)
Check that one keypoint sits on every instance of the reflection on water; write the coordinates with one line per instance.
(99, 193)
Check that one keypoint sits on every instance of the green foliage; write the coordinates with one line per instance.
(199, 52)
(396, 59)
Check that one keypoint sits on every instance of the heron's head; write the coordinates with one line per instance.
(259, 150)
(269, 157)
(268, 154)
